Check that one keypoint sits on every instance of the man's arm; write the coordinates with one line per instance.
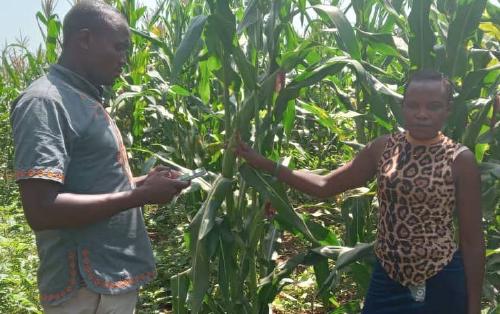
(353, 174)
(468, 198)
(46, 208)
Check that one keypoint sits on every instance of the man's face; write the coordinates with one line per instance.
(107, 52)
(425, 108)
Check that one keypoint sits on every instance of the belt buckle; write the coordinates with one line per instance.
(417, 292)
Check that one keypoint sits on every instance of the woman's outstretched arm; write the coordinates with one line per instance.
(351, 175)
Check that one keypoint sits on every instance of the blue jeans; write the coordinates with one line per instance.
(445, 293)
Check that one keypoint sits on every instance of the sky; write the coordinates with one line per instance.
(18, 17)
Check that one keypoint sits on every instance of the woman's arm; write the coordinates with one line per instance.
(353, 174)
(468, 198)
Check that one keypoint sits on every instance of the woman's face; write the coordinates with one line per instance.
(425, 108)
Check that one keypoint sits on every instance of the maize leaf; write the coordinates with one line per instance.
(188, 43)
(286, 216)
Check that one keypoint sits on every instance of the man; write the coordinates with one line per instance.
(76, 187)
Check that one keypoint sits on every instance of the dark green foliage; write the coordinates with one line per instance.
(308, 87)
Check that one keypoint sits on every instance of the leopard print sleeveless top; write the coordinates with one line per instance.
(416, 195)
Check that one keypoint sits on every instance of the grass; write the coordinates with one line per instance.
(19, 260)
(166, 225)
(18, 263)
(166, 229)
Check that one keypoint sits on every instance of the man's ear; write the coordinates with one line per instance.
(83, 38)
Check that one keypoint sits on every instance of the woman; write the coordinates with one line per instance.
(423, 178)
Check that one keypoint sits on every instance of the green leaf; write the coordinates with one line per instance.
(472, 84)
(286, 214)
(209, 209)
(179, 90)
(331, 67)
(204, 81)
(490, 167)
(289, 118)
(188, 43)
(156, 13)
(201, 271)
(494, 12)
(344, 256)
(227, 265)
(324, 235)
(246, 69)
(354, 210)
(473, 129)
(492, 252)
(351, 307)
(398, 13)
(321, 272)
(12, 74)
(382, 43)
(205, 242)
(447, 7)
(466, 21)
(245, 115)
(179, 285)
(51, 40)
(320, 114)
(41, 17)
(490, 198)
(346, 31)
(361, 273)
(165, 48)
(422, 38)
(290, 59)
(250, 17)
(223, 25)
(271, 285)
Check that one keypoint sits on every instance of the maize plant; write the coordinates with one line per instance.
(307, 83)
(262, 69)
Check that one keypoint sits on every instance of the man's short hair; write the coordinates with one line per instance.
(91, 14)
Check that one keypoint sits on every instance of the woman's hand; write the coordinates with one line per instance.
(252, 157)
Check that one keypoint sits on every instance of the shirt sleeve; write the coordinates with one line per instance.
(40, 130)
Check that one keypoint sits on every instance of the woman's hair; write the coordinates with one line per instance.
(430, 75)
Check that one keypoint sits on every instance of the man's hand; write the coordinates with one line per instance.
(160, 186)
(170, 173)
(173, 174)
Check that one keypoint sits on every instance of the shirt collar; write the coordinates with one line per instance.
(77, 81)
